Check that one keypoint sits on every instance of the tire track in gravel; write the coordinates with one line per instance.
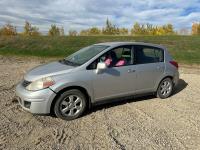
(4, 131)
(59, 135)
(176, 119)
(2, 89)
(112, 135)
(42, 142)
(8, 128)
(117, 142)
(167, 130)
(185, 115)
(158, 136)
(12, 112)
(134, 129)
(6, 99)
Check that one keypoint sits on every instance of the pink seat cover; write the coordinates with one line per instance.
(108, 61)
(120, 63)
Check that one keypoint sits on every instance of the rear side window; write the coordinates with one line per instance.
(147, 54)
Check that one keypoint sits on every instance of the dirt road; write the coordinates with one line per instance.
(141, 123)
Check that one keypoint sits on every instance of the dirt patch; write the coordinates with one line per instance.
(141, 123)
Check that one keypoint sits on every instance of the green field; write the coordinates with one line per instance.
(185, 49)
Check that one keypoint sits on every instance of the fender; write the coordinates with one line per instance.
(166, 74)
(74, 84)
(73, 80)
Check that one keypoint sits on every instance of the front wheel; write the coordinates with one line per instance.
(70, 105)
(165, 88)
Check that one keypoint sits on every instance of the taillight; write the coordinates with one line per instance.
(174, 63)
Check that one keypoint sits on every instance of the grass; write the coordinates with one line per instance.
(184, 49)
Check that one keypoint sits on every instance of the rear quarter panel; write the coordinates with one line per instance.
(170, 70)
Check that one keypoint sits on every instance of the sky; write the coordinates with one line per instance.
(82, 14)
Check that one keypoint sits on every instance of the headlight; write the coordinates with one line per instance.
(40, 84)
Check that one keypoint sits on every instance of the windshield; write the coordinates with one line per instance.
(85, 54)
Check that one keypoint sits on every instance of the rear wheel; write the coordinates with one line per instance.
(165, 88)
(70, 105)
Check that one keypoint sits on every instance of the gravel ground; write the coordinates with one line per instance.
(140, 123)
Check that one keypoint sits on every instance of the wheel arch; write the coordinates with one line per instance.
(80, 88)
(168, 76)
(162, 78)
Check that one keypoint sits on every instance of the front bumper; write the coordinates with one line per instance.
(36, 102)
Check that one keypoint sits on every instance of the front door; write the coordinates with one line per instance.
(114, 82)
(119, 78)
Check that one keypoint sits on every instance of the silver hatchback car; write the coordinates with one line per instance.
(96, 74)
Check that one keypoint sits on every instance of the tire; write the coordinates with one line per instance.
(165, 88)
(70, 105)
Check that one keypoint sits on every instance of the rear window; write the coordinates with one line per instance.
(146, 54)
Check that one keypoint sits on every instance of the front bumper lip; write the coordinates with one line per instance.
(40, 100)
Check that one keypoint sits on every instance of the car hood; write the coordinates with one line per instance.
(50, 69)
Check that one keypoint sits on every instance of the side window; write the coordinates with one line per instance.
(145, 54)
(117, 57)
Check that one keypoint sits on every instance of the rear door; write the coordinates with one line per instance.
(150, 66)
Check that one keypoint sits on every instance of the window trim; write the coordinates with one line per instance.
(151, 47)
(132, 53)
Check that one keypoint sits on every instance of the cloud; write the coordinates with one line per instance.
(81, 14)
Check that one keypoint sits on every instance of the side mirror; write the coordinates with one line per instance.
(100, 67)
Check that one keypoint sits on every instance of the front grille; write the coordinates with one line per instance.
(25, 83)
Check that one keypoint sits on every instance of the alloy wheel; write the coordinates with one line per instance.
(166, 88)
(71, 105)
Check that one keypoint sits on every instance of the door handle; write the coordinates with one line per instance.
(131, 70)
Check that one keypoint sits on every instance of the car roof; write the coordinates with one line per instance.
(114, 44)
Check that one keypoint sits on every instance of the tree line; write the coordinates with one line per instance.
(108, 29)
(196, 28)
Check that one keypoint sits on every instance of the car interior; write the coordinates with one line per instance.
(122, 56)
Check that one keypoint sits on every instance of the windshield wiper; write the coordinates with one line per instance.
(67, 62)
